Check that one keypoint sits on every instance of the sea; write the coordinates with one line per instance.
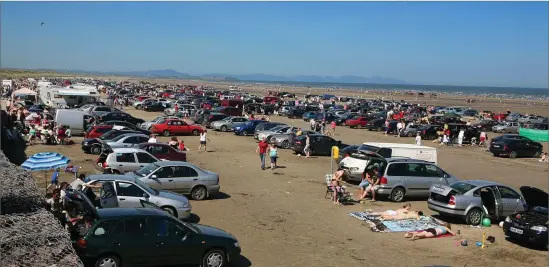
(503, 92)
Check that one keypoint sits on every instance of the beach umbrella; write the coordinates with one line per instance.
(45, 161)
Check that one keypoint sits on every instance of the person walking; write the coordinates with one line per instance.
(273, 154)
(307, 148)
(203, 139)
(262, 150)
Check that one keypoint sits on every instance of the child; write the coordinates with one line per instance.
(182, 145)
(54, 179)
(32, 135)
(273, 153)
(544, 158)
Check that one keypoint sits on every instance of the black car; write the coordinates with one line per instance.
(486, 125)
(93, 145)
(530, 226)
(299, 111)
(430, 132)
(156, 106)
(515, 147)
(376, 124)
(320, 144)
(120, 116)
(146, 237)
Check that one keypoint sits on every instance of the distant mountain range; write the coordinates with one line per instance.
(168, 73)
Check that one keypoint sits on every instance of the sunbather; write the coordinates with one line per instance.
(402, 216)
(338, 189)
(430, 232)
(405, 209)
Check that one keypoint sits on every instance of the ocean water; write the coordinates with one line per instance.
(467, 90)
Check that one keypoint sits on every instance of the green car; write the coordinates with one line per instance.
(151, 237)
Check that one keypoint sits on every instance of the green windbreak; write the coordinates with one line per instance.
(535, 135)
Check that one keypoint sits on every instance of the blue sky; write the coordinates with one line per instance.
(452, 43)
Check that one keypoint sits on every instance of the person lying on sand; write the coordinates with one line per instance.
(405, 209)
(402, 216)
(430, 232)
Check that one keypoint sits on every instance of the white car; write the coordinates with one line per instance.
(123, 160)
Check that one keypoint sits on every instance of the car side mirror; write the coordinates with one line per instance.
(145, 195)
(154, 176)
(99, 232)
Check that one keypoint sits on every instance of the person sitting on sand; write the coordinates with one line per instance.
(446, 228)
(405, 209)
(402, 216)
(544, 158)
(339, 191)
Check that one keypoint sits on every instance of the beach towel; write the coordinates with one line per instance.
(411, 225)
(372, 220)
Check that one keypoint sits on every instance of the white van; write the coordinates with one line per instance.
(77, 120)
(355, 164)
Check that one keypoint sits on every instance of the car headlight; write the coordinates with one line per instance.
(354, 169)
(508, 219)
(538, 228)
(236, 244)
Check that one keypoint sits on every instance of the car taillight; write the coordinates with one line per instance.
(82, 243)
(298, 142)
(105, 165)
(505, 147)
(346, 155)
(452, 201)
(383, 180)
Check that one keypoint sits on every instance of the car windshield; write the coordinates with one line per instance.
(462, 187)
(146, 170)
(145, 187)
(541, 210)
(116, 139)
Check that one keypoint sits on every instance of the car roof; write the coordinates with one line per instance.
(173, 163)
(127, 150)
(130, 212)
(481, 182)
(406, 160)
(135, 133)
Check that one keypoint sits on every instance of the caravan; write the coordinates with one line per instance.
(70, 96)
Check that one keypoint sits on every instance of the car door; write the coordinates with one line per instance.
(129, 195)
(144, 159)
(107, 195)
(184, 127)
(416, 181)
(128, 141)
(125, 162)
(185, 179)
(174, 243)
(511, 201)
(138, 249)
(163, 179)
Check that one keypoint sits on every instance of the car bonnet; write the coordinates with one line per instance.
(534, 196)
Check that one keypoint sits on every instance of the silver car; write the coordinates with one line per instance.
(281, 129)
(120, 191)
(284, 140)
(507, 127)
(474, 199)
(97, 111)
(126, 140)
(123, 160)
(180, 176)
(228, 124)
(530, 119)
(411, 130)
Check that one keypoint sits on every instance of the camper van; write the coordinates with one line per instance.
(70, 96)
(355, 163)
(77, 120)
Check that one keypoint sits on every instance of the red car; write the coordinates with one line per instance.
(357, 123)
(97, 131)
(175, 127)
(499, 117)
(164, 151)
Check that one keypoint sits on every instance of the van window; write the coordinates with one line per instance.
(416, 170)
(433, 171)
(397, 169)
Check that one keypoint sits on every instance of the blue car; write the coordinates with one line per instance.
(247, 128)
(307, 116)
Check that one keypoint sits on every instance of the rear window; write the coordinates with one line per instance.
(462, 187)
(368, 148)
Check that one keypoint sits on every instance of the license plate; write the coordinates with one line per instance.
(438, 189)
(496, 145)
(515, 230)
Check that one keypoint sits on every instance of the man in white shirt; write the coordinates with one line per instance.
(418, 139)
(152, 139)
(312, 124)
(399, 128)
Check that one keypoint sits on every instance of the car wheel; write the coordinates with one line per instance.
(166, 133)
(199, 193)
(195, 132)
(285, 144)
(397, 195)
(107, 261)
(223, 128)
(474, 217)
(214, 258)
(513, 154)
(410, 134)
(170, 211)
(96, 150)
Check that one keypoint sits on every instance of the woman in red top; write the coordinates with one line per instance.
(61, 134)
(262, 150)
(181, 145)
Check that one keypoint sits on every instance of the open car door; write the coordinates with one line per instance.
(108, 196)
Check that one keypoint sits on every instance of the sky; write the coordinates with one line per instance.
(441, 43)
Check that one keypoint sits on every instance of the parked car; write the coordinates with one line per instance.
(170, 127)
(94, 145)
(265, 125)
(347, 151)
(357, 122)
(214, 116)
(513, 117)
(163, 151)
(507, 127)
(228, 123)
(472, 200)
(320, 145)
(284, 140)
(280, 129)
(298, 112)
(123, 160)
(99, 110)
(529, 226)
(247, 128)
(530, 119)
(155, 107)
(126, 140)
(148, 124)
(307, 116)
(411, 130)
(120, 116)
(96, 131)
(430, 132)
(180, 176)
(515, 147)
(172, 242)
(487, 125)
(376, 124)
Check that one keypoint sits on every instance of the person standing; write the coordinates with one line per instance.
(203, 139)
(418, 139)
(307, 148)
(399, 128)
(273, 154)
(333, 125)
(152, 139)
(460, 137)
(262, 150)
(54, 179)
